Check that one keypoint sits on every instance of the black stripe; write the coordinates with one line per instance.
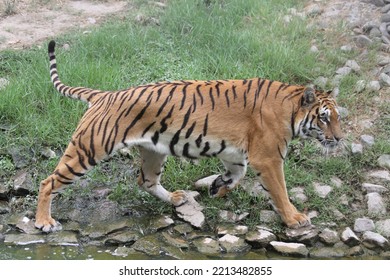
(155, 138)
(186, 118)
(212, 98)
(135, 120)
(234, 92)
(258, 90)
(135, 102)
(199, 93)
(280, 153)
(81, 160)
(223, 147)
(174, 141)
(278, 90)
(227, 97)
(190, 130)
(183, 100)
(198, 141)
(206, 148)
(186, 151)
(147, 128)
(268, 87)
(194, 103)
(71, 170)
(205, 126)
(164, 126)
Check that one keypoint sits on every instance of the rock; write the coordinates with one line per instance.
(306, 235)
(23, 239)
(3, 83)
(48, 153)
(229, 216)
(293, 249)
(369, 188)
(100, 230)
(352, 64)
(360, 86)
(375, 204)
(384, 161)
(160, 223)
(63, 238)
(327, 253)
(346, 48)
(298, 195)
(233, 244)
(122, 238)
(375, 32)
(4, 191)
(149, 245)
(383, 60)
(125, 251)
(21, 157)
(367, 140)
(378, 3)
(362, 41)
(232, 229)
(23, 183)
(384, 79)
(313, 10)
(385, 8)
(329, 236)
(26, 225)
(385, 18)
(363, 224)
(260, 238)
(373, 86)
(321, 82)
(336, 181)
(380, 175)
(4, 207)
(383, 227)
(343, 112)
(343, 71)
(322, 190)
(183, 228)
(372, 239)
(175, 241)
(191, 211)
(314, 49)
(269, 216)
(349, 237)
(207, 246)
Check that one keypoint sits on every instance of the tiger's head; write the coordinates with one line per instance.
(320, 118)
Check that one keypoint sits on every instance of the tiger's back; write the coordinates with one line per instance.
(238, 121)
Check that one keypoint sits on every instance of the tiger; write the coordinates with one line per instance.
(248, 122)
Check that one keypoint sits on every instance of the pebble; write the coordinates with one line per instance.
(372, 239)
(385, 18)
(384, 79)
(385, 9)
(327, 253)
(349, 237)
(369, 188)
(314, 49)
(363, 224)
(384, 161)
(295, 249)
(346, 48)
(367, 140)
(3, 83)
(298, 195)
(356, 148)
(343, 71)
(329, 236)
(260, 238)
(378, 3)
(322, 190)
(383, 227)
(382, 175)
(375, 204)
(352, 64)
(363, 41)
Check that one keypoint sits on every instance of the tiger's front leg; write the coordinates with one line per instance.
(220, 185)
(272, 178)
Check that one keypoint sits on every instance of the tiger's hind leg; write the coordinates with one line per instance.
(220, 185)
(149, 178)
(72, 166)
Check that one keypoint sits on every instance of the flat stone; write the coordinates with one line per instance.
(26, 225)
(370, 188)
(207, 246)
(229, 216)
(356, 148)
(122, 238)
(373, 86)
(362, 41)
(381, 175)
(322, 190)
(384, 161)
(329, 236)
(360, 86)
(3, 83)
(260, 238)
(63, 238)
(384, 79)
(383, 227)
(23, 239)
(232, 229)
(4, 207)
(191, 211)
(385, 18)
(352, 64)
(298, 195)
(184, 228)
(327, 253)
(175, 241)
(149, 245)
(336, 182)
(363, 224)
(293, 249)
(372, 239)
(4, 191)
(375, 204)
(160, 223)
(23, 183)
(269, 216)
(233, 244)
(367, 140)
(343, 71)
(349, 237)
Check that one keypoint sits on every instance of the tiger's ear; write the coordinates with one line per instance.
(308, 98)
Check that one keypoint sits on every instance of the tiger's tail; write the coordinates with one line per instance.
(80, 93)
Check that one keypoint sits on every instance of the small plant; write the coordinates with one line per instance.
(9, 7)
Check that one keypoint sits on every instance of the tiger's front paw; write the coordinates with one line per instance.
(48, 225)
(178, 198)
(298, 220)
(219, 187)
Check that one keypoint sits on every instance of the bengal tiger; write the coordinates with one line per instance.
(241, 122)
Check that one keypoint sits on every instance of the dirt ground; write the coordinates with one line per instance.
(24, 23)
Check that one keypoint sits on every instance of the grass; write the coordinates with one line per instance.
(213, 39)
